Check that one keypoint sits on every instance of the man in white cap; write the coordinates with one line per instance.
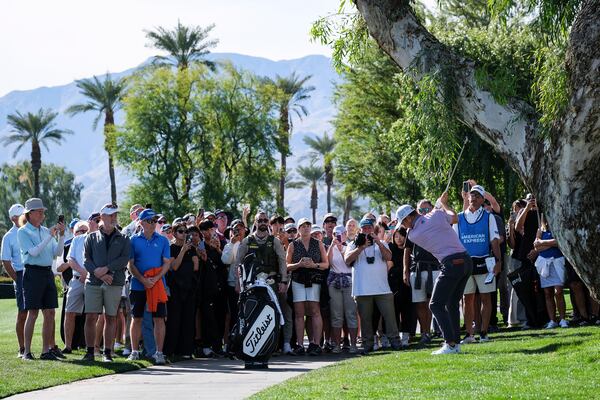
(11, 260)
(106, 254)
(39, 248)
(478, 232)
(434, 233)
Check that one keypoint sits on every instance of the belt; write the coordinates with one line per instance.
(38, 267)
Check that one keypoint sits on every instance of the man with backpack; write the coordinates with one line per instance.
(269, 259)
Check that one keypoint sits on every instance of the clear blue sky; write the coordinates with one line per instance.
(52, 42)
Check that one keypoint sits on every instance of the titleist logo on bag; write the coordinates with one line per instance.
(260, 331)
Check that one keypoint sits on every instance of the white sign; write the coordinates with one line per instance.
(260, 331)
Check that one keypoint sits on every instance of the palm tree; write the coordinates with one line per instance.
(309, 177)
(345, 205)
(39, 129)
(103, 97)
(323, 147)
(293, 94)
(183, 44)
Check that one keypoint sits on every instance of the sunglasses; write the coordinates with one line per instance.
(162, 221)
(81, 231)
(292, 231)
(262, 221)
(150, 221)
(330, 221)
(180, 231)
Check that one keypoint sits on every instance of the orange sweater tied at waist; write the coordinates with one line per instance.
(157, 293)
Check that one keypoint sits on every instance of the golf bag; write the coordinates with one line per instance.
(526, 282)
(255, 334)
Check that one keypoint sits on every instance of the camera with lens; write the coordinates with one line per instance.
(360, 240)
(371, 260)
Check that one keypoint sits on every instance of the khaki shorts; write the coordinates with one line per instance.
(420, 295)
(478, 282)
(75, 299)
(103, 296)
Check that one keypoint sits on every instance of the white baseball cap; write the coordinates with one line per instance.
(403, 212)
(478, 189)
(16, 210)
(109, 209)
(303, 221)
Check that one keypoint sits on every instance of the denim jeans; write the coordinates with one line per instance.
(148, 334)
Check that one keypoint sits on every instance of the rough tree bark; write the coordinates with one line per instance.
(109, 124)
(562, 171)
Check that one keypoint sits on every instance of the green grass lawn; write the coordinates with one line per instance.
(18, 376)
(556, 364)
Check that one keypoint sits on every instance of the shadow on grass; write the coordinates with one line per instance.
(550, 348)
(542, 335)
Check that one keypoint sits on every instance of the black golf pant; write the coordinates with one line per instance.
(447, 292)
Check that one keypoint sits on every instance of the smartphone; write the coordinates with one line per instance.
(61, 219)
(200, 212)
(148, 205)
(201, 245)
(466, 187)
(188, 238)
(338, 238)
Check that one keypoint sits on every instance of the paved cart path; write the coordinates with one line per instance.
(194, 379)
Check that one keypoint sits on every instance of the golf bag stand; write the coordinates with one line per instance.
(255, 334)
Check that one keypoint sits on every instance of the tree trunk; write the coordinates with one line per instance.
(314, 198)
(109, 124)
(347, 208)
(329, 182)
(563, 170)
(36, 165)
(284, 149)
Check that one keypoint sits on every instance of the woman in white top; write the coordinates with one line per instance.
(341, 302)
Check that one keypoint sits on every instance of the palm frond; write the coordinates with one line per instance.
(183, 44)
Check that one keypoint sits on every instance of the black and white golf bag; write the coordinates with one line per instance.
(255, 335)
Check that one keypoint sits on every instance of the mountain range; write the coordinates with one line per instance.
(84, 155)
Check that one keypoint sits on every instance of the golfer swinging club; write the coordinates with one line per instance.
(434, 233)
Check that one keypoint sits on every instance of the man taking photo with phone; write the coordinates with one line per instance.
(39, 248)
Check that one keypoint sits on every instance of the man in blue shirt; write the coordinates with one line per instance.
(149, 251)
(38, 249)
(11, 260)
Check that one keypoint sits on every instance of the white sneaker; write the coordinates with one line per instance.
(126, 352)
(446, 349)
(551, 325)
(134, 356)
(117, 346)
(159, 358)
(563, 323)
(468, 339)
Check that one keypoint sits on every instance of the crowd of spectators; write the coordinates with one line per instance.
(168, 289)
